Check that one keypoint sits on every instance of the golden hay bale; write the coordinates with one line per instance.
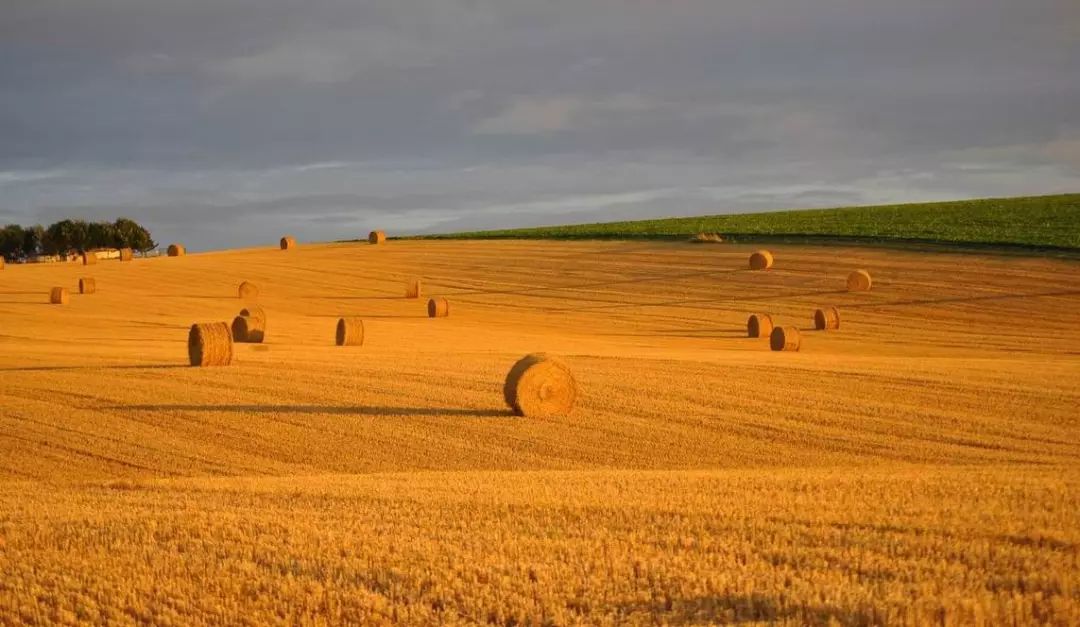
(254, 312)
(540, 386)
(87, 286)
(412, 289)
(859, 281)
(288, 242)
(761, 260)
(59, 296)
(827, 318)
(785, 339)
(707, 238)
(350, 332)
(248, 291)
(210, 344)
(438, 308)
(176, 250)
(759, 325)
(126, 254)
(249, 330)
(89, 259)
(376, 237)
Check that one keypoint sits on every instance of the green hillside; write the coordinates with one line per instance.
(1039, 221)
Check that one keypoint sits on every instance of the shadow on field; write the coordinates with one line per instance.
(690, 333)
(158, 325)
(372, 315)
(790, 295)
(198, 296)
(363, 297)
(962, 299)
(693, 303)
(650, 278)
(336, 410)
(91, 368)
(740, 609)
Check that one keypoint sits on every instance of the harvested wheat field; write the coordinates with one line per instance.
(919, 465)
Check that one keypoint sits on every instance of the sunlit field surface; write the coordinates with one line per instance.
(920, 465)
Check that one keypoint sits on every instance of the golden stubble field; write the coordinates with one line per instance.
(919, 466)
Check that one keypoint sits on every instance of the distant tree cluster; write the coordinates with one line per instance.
(72, 236)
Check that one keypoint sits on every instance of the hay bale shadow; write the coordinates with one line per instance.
(337, 410)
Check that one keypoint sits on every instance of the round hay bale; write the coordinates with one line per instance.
(126, 254)
(859, 281)
(248, 291)
(376, 237)
(210, 344)
(176, 250)
(412, 289)
(761, 260)
(350, 332)
(89, 259)
(438, 308)
(759, 325)
(827, 319)
(59, 296)
(87, 286)
(540, 386)
(288, 242)
(254, 312)
(785, 339)
(249, 330)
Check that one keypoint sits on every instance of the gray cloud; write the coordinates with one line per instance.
(437, 114)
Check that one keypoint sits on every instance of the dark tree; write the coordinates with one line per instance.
(100, 235)
(32, 239)
(64, 237)
(11, 241)
(130, 234)
(71, 236)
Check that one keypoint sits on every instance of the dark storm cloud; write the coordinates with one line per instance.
(446, 113)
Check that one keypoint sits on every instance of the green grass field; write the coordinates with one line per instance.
(1039, 221)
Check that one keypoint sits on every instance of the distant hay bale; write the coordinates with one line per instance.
(412, 289)
(210, 344)
(176, 250)
(87, 286)
(540, 386)
(707, 238)
(827, 319)
(254, 312)
(126, 254)
(288, 242)
(759, 325)
(89, 259)
(252, 328)
(350, 332)
(438, 308)
(248, 291)
(59, 296)
(761, 260)
(248, 329)
(859, 281)
(376, 237)
(785, 339)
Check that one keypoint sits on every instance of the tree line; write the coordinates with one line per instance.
(73, 236)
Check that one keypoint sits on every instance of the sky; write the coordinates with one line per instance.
(227, 123)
